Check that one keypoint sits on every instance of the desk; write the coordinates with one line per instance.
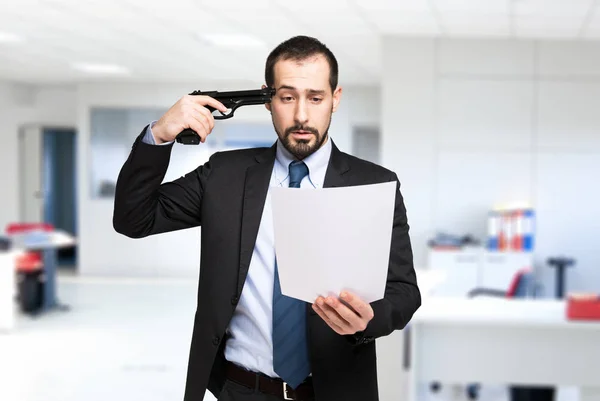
(503, 341)
(391, 350)
(7, 289)
(429, 280)
(47, 243)
(475, 267)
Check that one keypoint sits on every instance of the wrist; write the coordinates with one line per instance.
(157, 134)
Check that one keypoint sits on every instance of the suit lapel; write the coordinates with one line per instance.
(337, 167)
(256, 187)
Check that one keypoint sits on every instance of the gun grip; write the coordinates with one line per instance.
(188, 137)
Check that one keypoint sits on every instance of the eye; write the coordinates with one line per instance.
(287, 98)
(316, 99)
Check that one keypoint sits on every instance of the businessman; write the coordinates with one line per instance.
(249, 342)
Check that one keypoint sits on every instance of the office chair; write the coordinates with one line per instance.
(29, 269)
(560, 264)
(521, 286)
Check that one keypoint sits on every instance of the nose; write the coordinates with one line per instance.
(301, 114)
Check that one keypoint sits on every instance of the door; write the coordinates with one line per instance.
(31, 194)
(60, 206)
(47, 158)
(365, 143)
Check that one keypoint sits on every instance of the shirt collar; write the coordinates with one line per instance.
(317, 164)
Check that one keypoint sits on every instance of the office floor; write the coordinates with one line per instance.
(121, 340)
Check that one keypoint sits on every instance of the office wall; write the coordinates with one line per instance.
(472, 123)
(26, 104)
(104, 252)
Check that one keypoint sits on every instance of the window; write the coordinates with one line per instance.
(113, 131)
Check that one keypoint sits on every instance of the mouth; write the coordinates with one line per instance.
(302, 134)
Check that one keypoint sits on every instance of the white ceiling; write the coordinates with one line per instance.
(160, 41)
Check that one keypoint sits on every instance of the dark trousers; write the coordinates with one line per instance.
(236, 392)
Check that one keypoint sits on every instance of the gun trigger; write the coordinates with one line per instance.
(224, 116)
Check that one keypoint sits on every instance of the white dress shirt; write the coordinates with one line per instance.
(250, 342)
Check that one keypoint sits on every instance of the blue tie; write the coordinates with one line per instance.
(290, 347)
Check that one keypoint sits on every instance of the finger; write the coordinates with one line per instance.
(209, 101)
(208, 115)
(192, 113)
(202, 120)
(323, 316)
(354, 320)
(363, 309)
(203, 115)
(334, 316)
(198, 127)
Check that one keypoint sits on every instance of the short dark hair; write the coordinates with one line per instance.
(300, 48)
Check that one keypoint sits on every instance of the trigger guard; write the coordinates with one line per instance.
(224, 116)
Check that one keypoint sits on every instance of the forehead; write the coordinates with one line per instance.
(311, 72)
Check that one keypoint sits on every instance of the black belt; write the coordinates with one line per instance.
(270, 385)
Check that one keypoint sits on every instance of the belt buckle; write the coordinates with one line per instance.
(285, 392)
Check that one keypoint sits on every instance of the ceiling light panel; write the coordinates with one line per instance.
(101, 69)
(459, 24)
(552, 8)
(11, 37)
(403, 23)
(410, 6)
(547, 27)
(339, 16)
(472, 6)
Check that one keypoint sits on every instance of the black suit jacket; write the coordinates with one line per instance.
(225, 197)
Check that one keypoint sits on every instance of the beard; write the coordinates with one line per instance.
(302, 148)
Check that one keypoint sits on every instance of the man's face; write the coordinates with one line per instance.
(303, 104)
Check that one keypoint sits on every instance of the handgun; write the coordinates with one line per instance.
(232, 100)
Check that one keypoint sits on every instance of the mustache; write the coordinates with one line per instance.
(301, 128)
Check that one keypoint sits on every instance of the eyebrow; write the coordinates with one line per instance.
(317, 91)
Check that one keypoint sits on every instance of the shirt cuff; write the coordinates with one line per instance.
(149, 137)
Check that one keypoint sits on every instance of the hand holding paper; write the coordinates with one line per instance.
(347, 315)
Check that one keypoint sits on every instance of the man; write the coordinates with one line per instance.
(249, 342)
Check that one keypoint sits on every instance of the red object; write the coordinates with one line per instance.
(517, 239)
(583, 307)
(30, 261)
(502, 240)
(516, 280)
(17, 228)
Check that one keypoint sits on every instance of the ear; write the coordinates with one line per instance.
(337, 96)
(268, 104)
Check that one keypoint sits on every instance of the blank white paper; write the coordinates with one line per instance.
(332, 239)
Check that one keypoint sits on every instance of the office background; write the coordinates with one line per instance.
(466, 123)
(472, 103)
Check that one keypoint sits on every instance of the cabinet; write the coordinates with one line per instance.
(7, 289)
(470, 268)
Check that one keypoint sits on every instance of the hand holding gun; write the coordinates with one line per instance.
(190, 120)
(232, 100)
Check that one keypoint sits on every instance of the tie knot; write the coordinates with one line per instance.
(298, 170)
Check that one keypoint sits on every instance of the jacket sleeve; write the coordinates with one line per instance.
(144, 205)
(402, 297)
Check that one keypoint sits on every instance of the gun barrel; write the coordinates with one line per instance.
(266, 92)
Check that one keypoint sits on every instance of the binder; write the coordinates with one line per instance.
(493, 231)
(517, 223)
(528, 229)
